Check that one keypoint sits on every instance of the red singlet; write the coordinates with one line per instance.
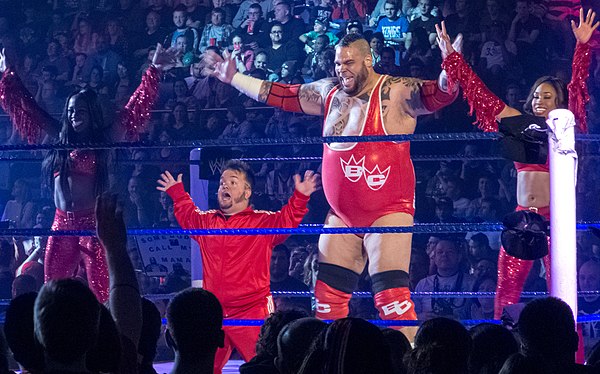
(366, 181)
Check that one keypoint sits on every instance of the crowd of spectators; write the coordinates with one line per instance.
(57, 46)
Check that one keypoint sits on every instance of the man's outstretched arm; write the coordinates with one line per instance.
(300, 98)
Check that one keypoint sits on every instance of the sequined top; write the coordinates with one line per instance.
(83, 162)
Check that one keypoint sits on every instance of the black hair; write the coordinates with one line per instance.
(19, 332)
(195, 320)
(59, 161)
(282, 248)
(66, 320)
(562, 97)
(180, 8)
(269, 331)
(242, 167)
(256, 6)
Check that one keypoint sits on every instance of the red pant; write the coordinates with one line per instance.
(64, 253)
(242, 338)
(513, 272)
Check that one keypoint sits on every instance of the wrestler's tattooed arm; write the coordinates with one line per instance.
(404, 93)
(312, 95)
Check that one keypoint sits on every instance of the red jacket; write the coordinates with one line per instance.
(236, 268)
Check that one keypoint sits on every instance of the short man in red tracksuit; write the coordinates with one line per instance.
(236, 268)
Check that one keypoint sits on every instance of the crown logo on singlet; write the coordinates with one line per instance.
(356, 170)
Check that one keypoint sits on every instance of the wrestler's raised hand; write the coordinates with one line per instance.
(447, 47)
(2, 61)
(310, 183)
(167, 181)
(110, 226)
(586, 27)
(165, 59)
(223, 68)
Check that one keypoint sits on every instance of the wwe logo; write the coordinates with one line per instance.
(216, 165)
(355, 170)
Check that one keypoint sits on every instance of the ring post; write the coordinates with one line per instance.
(199, 193)
(563, 174)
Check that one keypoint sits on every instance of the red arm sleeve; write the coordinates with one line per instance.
(27, 117)
(187, 213)
(290, 215)
(136, 113)
(434, 98)
(482, 101)
(578, 92)
(285, 96)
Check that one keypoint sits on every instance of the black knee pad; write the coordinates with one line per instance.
(338, 277)
(389, 279)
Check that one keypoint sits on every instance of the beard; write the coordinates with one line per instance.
(359, 78)
(228, 203)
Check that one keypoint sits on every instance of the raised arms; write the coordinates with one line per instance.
(27, 117)
(306, 98)
(136, 113)
(578, 92)
(488, 107)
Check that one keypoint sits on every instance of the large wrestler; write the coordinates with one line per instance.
(366, 184)
(533, 180)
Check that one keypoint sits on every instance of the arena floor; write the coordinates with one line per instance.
(231, 367)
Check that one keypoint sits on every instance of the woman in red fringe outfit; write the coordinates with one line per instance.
(533, 180)
(78, 175)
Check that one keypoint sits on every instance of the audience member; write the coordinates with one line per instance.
(266, 346)
(449, 277)
(589, 280)
(442, 346)
(548, 335)
(20, 335)
(426, 21)
(483, 307)
(399, 346)
(150, 333)
(282, 281)
(387, 63)
(492, 345)
(291, 26)
(66, 305)
(392, 26)
(281, 49)
(181, 28)
(24, 284)
(194, 330)
(294, 341)
(217, 32)
(348, 345)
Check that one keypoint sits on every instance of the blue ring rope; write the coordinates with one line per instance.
(416, 295)
(250, 142)
(418, 228)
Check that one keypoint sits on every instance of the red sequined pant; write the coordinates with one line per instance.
(64, 253)
(513, 272)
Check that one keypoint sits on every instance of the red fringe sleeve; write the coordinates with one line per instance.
(578, 92)
(136, 113)
(27, 117)
(482, 101)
